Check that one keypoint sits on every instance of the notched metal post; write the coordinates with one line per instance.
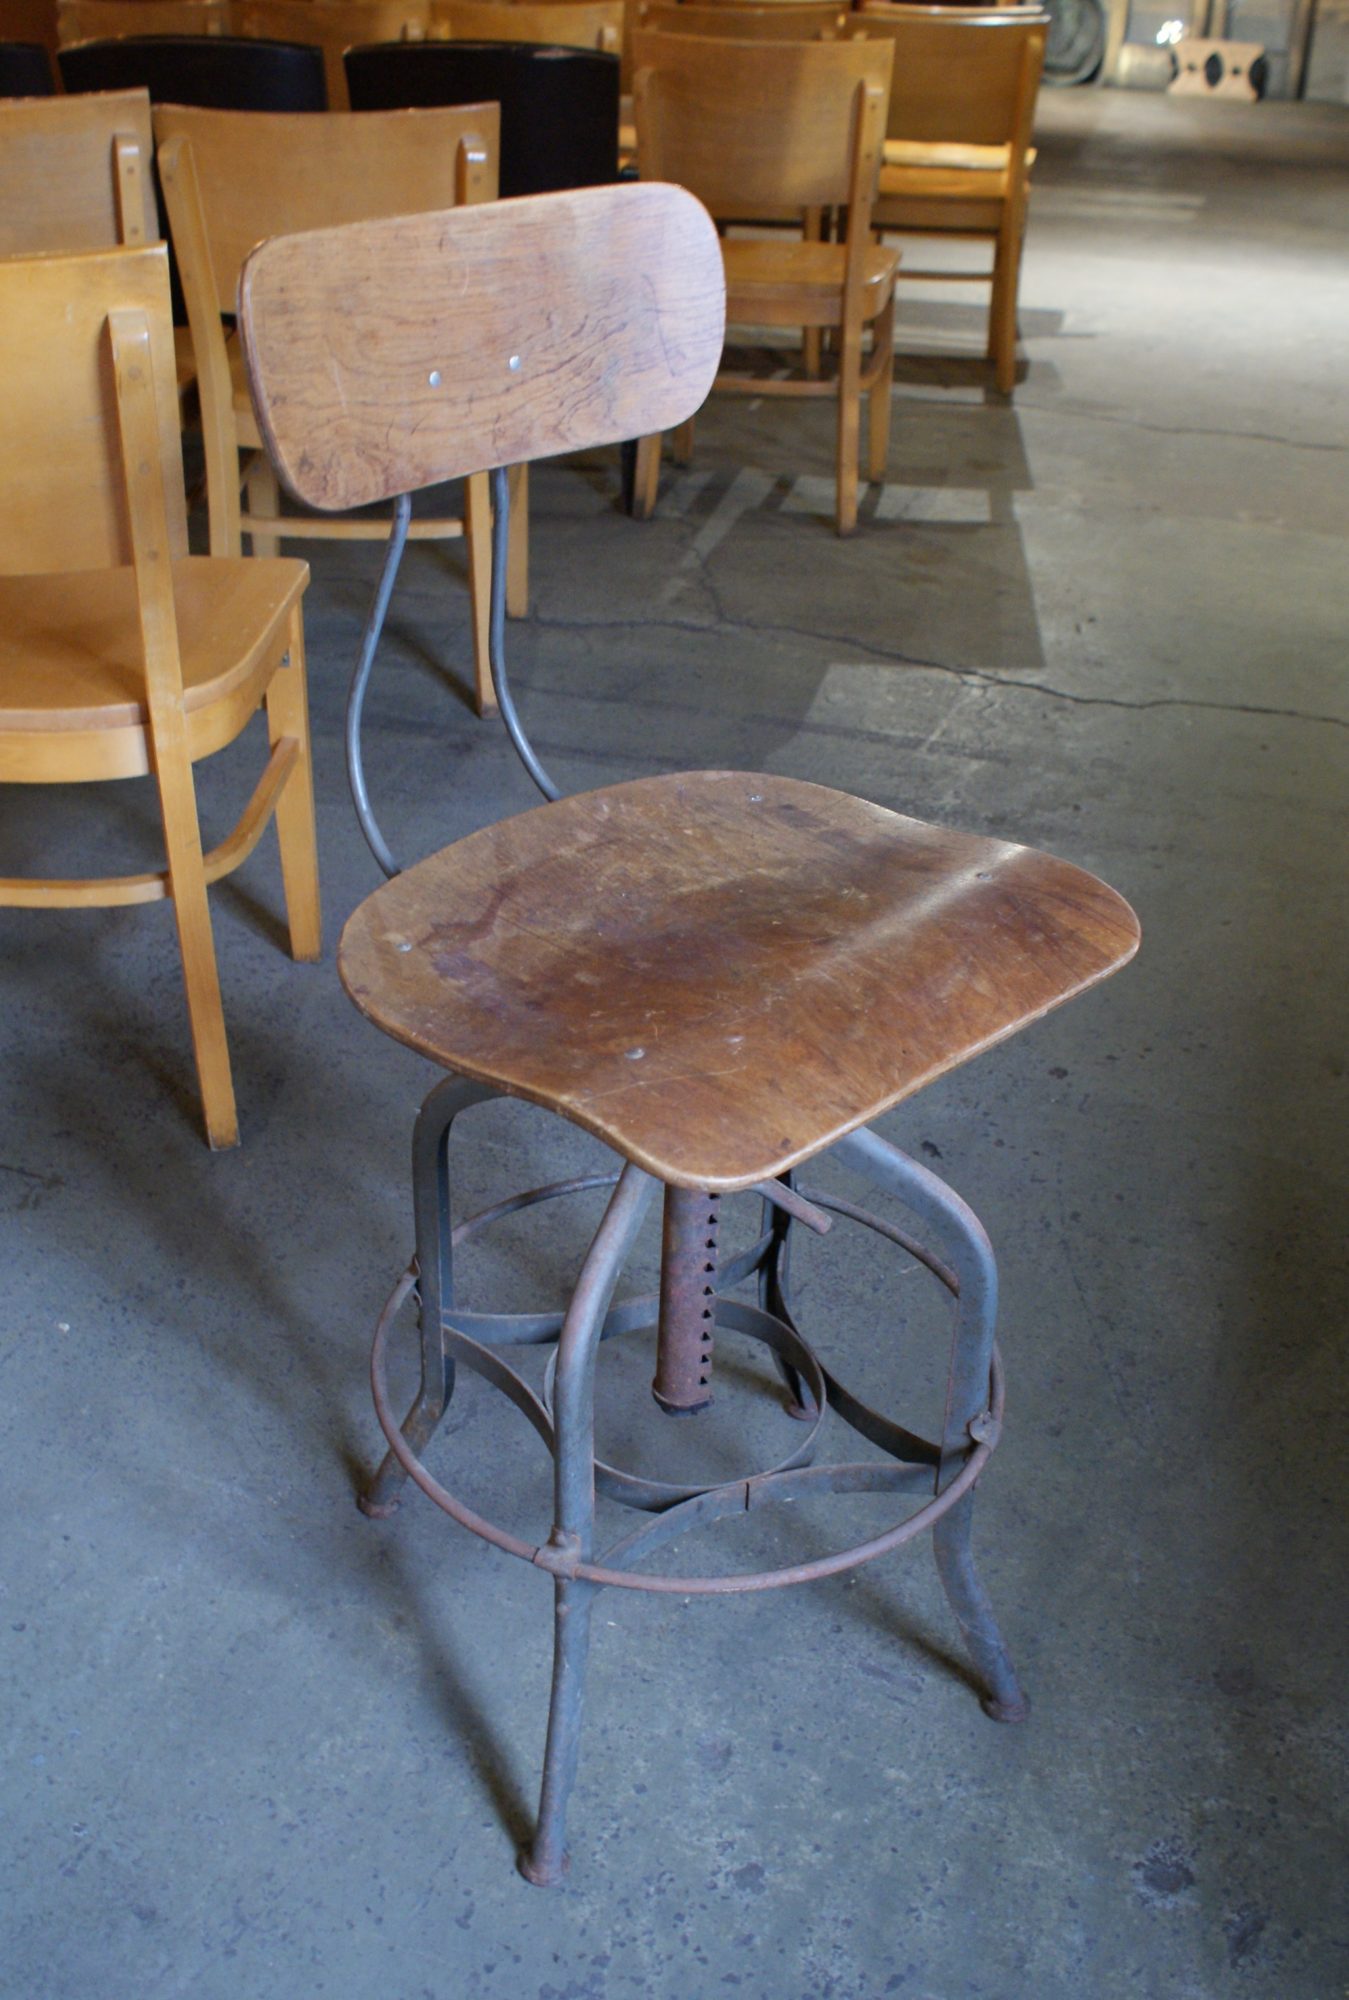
(688, 1301)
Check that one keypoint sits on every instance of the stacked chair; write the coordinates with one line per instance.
(957, 153)
(231, 178)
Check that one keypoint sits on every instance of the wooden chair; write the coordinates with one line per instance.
(773, 20)
(568, 24)
(333, 26)
(755, 129)
(121, 655)
(719, 974)
(96, 20)
(958, 151)
(76, 173)
(233, 177)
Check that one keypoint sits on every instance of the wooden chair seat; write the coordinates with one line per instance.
(945, 153)
(72, 662)
(719, 974)
(792, 284)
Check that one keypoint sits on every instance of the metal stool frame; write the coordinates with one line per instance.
(564, 1417)
(948, 1469)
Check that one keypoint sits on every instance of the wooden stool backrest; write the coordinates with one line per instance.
(96, 20)
(237, 176)
(388, 356)
(964, 76)
(773, 21)
(333, 25)
(759, 128)
(62, 487)
(75, 172)
(568, 24)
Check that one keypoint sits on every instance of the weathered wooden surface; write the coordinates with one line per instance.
(389, 357)
(719, 973)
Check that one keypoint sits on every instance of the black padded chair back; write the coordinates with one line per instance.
(217, 72)
(559, 107)
(25, 70)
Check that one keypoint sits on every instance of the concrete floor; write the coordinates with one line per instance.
(258, 1746)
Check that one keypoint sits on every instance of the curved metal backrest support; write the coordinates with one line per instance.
(388, 356)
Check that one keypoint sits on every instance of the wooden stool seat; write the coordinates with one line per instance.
(72, 661)
(720, 973)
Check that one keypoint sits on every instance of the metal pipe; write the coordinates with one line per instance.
(496, 636)
(374, 626)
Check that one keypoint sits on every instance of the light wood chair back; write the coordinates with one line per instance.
(98, 20)
(333, 25)
(772, 21)
(755, 128)
(233, 177)
(62, 484)
(389, 356)
(568, 24)
(962, 75)
(76, 173)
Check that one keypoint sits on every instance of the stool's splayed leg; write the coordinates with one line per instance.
(435, 1281)
(573, 1537)
(968, 1419)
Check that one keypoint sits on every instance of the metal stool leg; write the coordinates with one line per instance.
(573, 1536)
(775, 1296)
(435, 1281)
(967, 1399)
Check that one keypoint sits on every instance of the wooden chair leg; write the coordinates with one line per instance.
(812, 231)
(849, 428)
(880, 400)
(646, 479)
(1002, 310)
(681, 443)
(288, 715)
(517, 563)
(478, 538)
(264, 497)
(187, 886)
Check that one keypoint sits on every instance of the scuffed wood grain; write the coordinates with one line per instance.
(721, 973)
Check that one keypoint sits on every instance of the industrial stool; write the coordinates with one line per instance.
(721, 975)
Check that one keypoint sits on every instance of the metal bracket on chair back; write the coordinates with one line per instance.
(496, 649)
